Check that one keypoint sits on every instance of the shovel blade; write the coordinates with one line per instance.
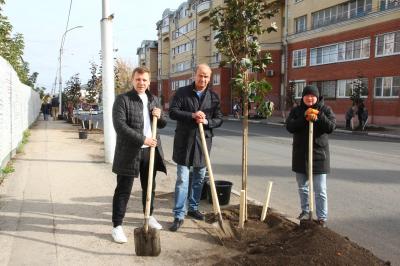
(147, 243)
(223, 230)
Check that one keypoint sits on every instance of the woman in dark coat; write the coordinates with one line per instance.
(311, 108)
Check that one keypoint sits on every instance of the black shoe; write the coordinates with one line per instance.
(176, 224)
(196, 215)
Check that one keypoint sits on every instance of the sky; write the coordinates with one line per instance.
(43, 22)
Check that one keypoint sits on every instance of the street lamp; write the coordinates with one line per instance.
(59, 67)
(191, 45)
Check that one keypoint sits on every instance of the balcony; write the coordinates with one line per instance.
(203, 7)
(165, 30)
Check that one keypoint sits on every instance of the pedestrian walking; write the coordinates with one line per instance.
(54, 107)
(311, 108)
(350, 114)
(132, 113)
(191, 105)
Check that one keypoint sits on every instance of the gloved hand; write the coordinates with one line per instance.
(311, 111)
(312, 117)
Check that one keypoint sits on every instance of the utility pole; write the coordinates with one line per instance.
(107, 81)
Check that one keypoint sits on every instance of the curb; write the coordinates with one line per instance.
(363, 133)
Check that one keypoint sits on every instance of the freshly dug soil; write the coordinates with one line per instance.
(278, 241)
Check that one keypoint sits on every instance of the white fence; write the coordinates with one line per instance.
(19, 108)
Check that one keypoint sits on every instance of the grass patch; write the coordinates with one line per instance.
(8, 169)
(25, 138)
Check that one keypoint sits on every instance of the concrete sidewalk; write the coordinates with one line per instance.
(56, 208)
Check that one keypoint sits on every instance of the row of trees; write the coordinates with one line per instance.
(93, 87)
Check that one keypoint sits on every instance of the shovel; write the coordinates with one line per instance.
(225, 230)
(310, 168)
(147, 240)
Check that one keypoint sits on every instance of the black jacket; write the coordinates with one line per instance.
(187, 142)
(128, 123)
(298, 125)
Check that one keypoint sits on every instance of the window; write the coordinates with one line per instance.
(216, 79)
(298, 88)
(388, 44)
(297, 1)
(299, 58)
(338, 13)
(388, 4)
(345, 87)
(180, 83)
(300, 24)
(327, 88)
(387, 87)
(339, 52)
(216, 57)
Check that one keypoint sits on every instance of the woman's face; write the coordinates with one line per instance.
(309, 100)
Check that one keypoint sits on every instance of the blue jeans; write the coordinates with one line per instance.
(321, 196)
(182, 188)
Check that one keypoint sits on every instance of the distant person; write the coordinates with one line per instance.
(360, 114)
(55, 103)
(191, 105)
(236, 110)
(46, 109)
(311, 108)
(350, 114)
(132, 114)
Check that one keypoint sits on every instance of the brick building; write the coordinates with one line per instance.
(326, 43)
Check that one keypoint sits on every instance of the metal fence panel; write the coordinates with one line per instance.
(19, 108)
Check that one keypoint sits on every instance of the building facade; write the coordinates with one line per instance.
(147, 57)
(326, 43)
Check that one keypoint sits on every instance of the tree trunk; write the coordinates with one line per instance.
(245, 138)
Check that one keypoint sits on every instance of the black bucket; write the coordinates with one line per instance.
(223, 188)
(82, 134)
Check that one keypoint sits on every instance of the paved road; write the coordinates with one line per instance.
(364, 186)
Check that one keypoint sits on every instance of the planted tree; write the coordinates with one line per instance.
(359, 89)
(238, 24)
(92, 85)
(73, 90)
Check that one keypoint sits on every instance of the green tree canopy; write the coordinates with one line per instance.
(12, 47)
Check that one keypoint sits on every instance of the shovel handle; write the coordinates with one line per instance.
(210, 172)
(310, 166)
(150, 176)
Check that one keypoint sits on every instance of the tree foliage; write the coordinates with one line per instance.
(93, 85)
(73, 90)
(123, 71)
(12, 47)
(238, 24)
(359, 89)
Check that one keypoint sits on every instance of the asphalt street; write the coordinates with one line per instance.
(363, 186)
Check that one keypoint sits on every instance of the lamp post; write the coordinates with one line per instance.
(59, 67)
(191, 45)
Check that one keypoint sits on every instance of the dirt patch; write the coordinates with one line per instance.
(278, 241)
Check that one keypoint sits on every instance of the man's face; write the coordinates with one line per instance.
(203, 75)
(141, 82)
(309, 100)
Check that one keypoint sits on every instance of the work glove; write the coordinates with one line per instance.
(312, 117)
(311, 111)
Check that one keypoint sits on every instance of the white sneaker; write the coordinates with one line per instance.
(118, 235)
(154, 224)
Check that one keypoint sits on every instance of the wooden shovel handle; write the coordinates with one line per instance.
(210, 172)
(150, 175)
(310, 166)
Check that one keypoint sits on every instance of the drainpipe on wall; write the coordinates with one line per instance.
(285, 47)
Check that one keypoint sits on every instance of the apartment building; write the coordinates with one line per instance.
(326, 43)
(148, 57)
(332, 43)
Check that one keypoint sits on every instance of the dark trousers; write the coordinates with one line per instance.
(124, 187)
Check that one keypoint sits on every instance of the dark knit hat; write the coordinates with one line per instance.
(310, 89)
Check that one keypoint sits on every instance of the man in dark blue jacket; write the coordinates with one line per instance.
(191, 105)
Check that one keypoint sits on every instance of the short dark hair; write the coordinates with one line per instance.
(140, 70)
